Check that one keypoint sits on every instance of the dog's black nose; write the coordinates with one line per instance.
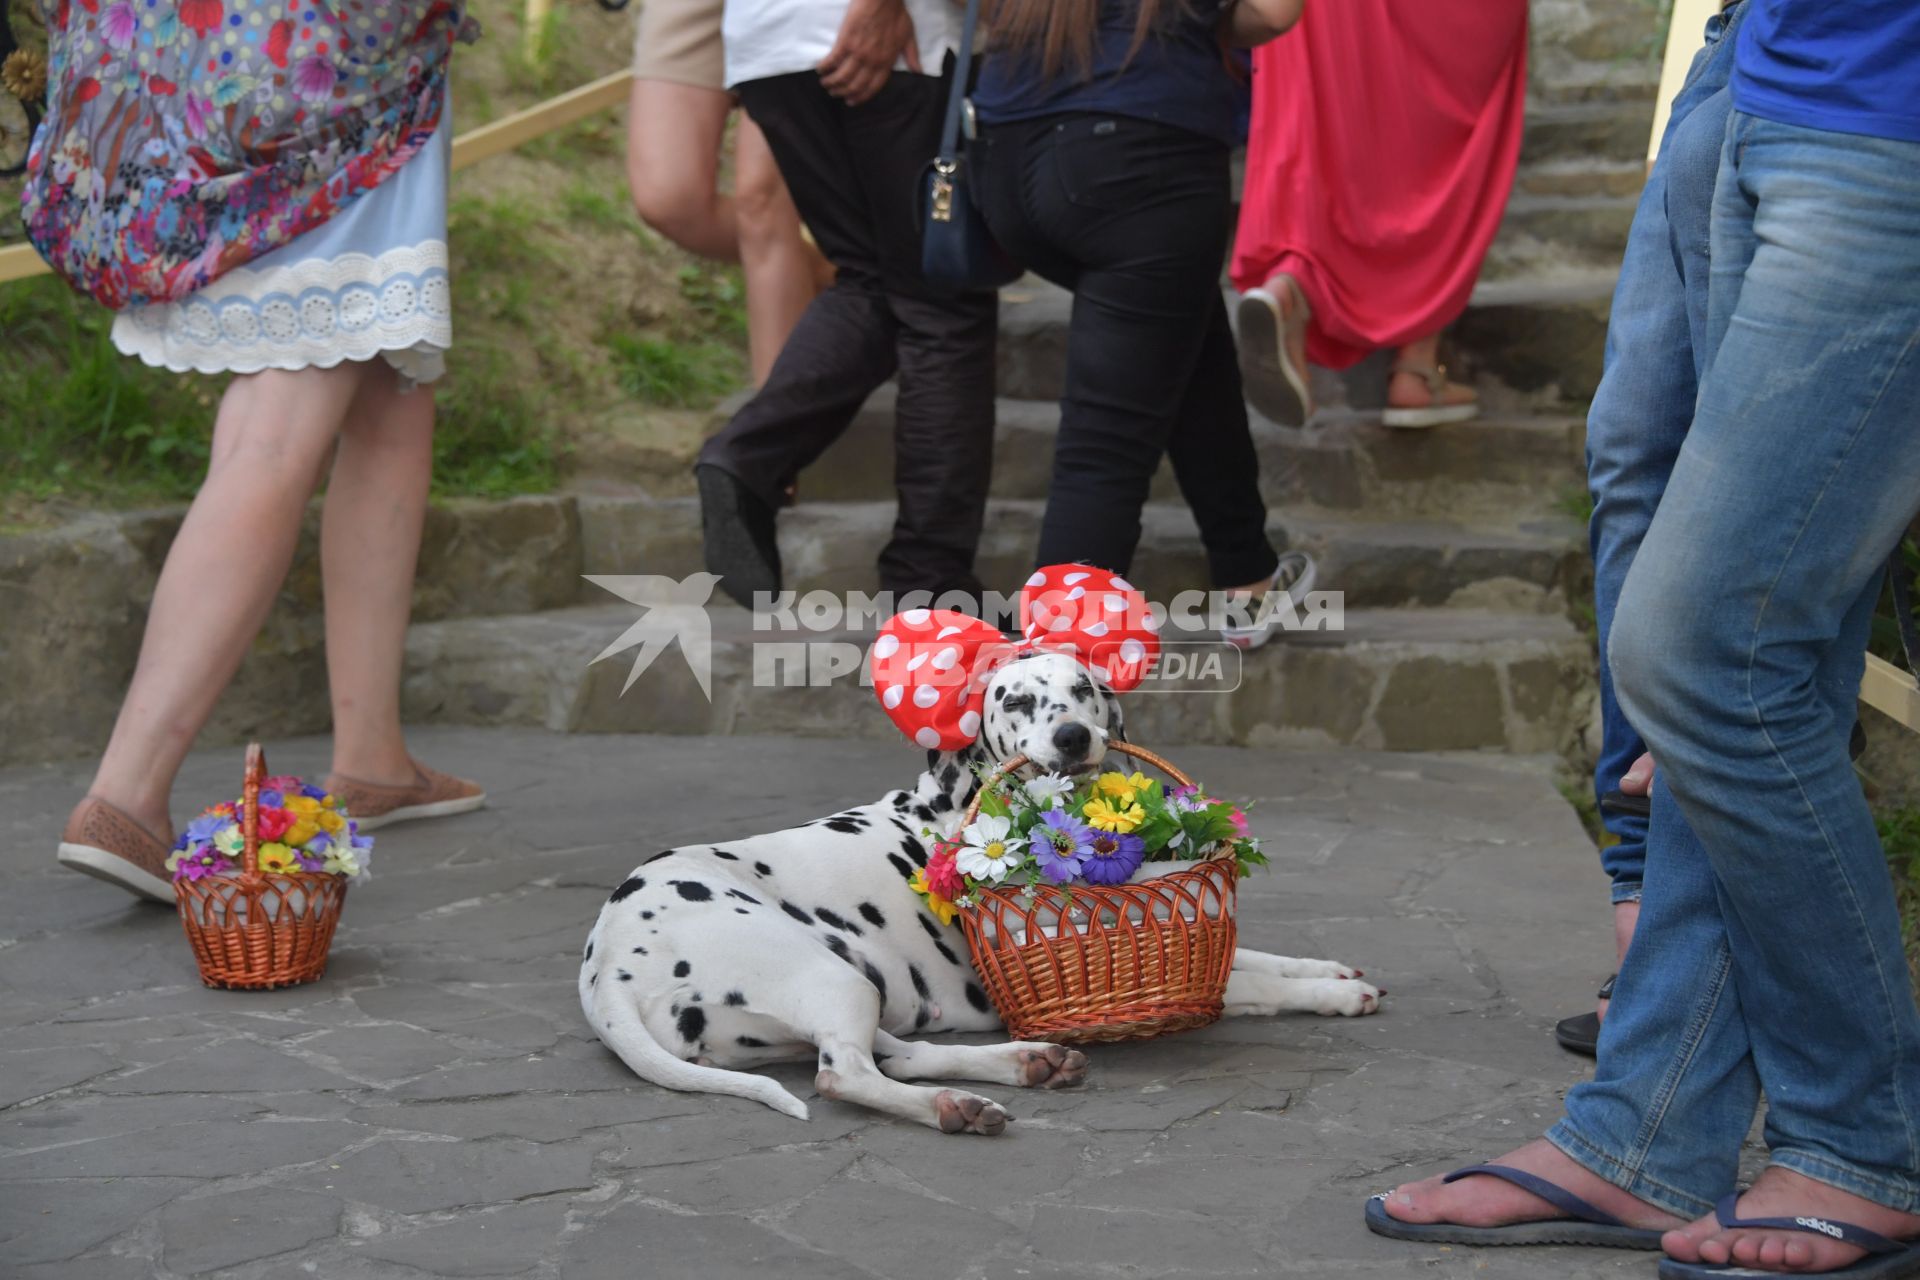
(1072, 741)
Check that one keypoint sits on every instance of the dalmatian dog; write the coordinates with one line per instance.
(808, 943)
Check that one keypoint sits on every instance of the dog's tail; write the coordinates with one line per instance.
(620, 1025)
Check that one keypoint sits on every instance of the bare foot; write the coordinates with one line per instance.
(1489, 1202)
(1782, 1193)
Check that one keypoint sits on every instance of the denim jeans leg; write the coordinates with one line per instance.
(1674, 1090)
(1741, 624)
(1644, 403)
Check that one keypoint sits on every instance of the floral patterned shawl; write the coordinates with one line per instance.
(184, 138)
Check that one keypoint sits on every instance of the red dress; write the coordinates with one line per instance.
(1385, 134)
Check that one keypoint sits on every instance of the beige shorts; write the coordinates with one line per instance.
(679, 40)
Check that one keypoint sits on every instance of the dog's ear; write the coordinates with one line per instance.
(1116, 720)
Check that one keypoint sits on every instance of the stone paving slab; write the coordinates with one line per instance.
(435, 1107)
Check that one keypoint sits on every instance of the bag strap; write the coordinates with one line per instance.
(949, 156)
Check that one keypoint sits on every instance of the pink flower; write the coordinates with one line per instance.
(1239, 819)
(198, 113)
(314, 77)
(119, 25)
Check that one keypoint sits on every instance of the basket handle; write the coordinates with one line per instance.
(1141, 754)
(256, 775)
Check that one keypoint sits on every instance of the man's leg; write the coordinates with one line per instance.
(1742, 618)
(944, 341)
(1644, 403)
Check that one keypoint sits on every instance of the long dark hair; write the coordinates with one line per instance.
(1062, 32)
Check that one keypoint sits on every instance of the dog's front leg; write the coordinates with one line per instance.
(1252, 994)
(1288, 967)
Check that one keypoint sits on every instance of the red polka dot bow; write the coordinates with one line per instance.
(931, 666)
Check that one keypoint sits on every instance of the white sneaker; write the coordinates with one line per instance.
(1293, 578)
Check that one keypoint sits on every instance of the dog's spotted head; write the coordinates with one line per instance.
(1051, 709)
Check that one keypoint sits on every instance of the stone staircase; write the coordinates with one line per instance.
(1459, 549)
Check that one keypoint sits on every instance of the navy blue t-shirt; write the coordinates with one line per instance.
(1847, 66)
(1179, 77)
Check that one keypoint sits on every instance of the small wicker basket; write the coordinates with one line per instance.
(252, 930)
(1108, 962)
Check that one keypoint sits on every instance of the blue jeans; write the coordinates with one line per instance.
(1644, 404)
(1768, 957)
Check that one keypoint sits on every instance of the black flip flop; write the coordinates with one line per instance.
(1584, 1223)
(1887, 1259)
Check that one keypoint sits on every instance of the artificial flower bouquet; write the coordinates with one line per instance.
(302, 828)
(261, 880)
(1113, 828)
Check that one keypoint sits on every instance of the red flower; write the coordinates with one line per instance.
(86, 90)
(163, 87)
(943, 877)
(274, 823)
(279, 40)
(201, 15)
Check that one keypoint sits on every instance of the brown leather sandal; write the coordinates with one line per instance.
(1436, 411)
(431, 794)
(108, 843)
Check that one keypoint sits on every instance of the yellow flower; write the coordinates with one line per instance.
(1115, 815)
(302, 806)
(277, 859)
(301, 832)
(943, 910)
(332, 823)
(1118, 786)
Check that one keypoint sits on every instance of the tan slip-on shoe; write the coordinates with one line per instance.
(109, 844)
(431, 794)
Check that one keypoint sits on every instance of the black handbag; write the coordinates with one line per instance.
(957, 251)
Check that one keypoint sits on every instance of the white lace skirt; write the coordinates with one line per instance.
(372, 281)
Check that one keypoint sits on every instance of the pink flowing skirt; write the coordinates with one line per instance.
(1385, 134)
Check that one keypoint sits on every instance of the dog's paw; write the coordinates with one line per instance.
(968, 1113)
(1051, 1066)
(1348, 998)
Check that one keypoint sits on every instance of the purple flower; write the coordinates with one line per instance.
(119, 25)
(309, 860)
(1064, 843)
(206, 827)
(1189, 800)
(271, 798)
(312, 792)
(1112, 857)
(314, 77)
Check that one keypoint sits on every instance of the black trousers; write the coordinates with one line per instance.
(855, 174)
(1134, 218)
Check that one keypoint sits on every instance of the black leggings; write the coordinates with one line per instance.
(1134, 218)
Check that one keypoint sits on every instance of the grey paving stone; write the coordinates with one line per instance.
(434, 1105)
(227, 1228)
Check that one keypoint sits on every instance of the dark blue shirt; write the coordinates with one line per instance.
(1179, 77)
(1847, 66)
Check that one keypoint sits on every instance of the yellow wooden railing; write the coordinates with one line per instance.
(20, 261)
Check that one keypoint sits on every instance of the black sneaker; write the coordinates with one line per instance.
(737, 532)
(1581, 1033)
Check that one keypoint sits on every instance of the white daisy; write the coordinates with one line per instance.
(989, 851)
(1047, 790)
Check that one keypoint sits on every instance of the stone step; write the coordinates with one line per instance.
(1342, 461)
(832, 546)
(1543, 234)
(1413, 680)
(1583, 175)
(1530, 342)
(1600, 127)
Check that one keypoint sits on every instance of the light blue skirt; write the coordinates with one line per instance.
(372, 281)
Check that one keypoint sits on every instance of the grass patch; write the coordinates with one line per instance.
(1900, 833)
(676, 375)
(1576, 502)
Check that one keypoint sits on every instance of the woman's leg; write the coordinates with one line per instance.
(270, 441)
(369, 543)
(782, 268)
(674, 132)
(1411, 384)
